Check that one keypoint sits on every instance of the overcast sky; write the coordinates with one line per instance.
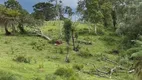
(27, 4)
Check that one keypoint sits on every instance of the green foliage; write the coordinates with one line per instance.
(38, 46)
(13, 4)
(67, 30)
(68, 11)
(65, 72)
(12, 13)
(94, 13)
(136, 55)
(78, 66)
(130, 24)
(23, 59)
(84, 53)
(44, 10)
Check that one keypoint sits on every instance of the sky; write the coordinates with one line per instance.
(27, 4)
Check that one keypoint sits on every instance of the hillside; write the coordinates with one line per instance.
(24, 57)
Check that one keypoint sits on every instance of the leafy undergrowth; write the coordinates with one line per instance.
(33, 58)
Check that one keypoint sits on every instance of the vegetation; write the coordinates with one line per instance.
(48, 44)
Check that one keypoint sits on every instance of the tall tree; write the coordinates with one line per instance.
(8, 17)
(68, 10)
(14, 5)
(67, 33)
(94, 13)
(44, 10)
(81, 10)
(130, 24)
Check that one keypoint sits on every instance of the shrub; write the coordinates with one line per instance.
(40, 45)
(22, 59)
(78, 66)
(84, 53)
(65, 72)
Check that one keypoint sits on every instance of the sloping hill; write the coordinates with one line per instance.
(25, 57)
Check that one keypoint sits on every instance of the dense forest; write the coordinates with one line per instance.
(99, 40)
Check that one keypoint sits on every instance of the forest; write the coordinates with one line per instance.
(98, 40)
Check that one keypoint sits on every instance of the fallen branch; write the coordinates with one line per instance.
(106, 59)
(44, 36)
(39, 33)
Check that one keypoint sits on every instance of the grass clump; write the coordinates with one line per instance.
(67, 73)
(23, 59)
(85, 53)
(78, 66)
(40, 45)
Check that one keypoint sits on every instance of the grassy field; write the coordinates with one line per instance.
(25, 57)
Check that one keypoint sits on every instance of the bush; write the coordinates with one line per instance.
(84, 53)
(65, 72)
(78, 66)
(40, 45)
(22, 59)
(7, 76)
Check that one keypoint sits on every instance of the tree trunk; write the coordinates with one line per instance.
(60, 29)
(95, 29)
(6, 30)
(13, 29)
(67, 56)
(114, 18)
(73, 41)
(22, 30)
(89, 27)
